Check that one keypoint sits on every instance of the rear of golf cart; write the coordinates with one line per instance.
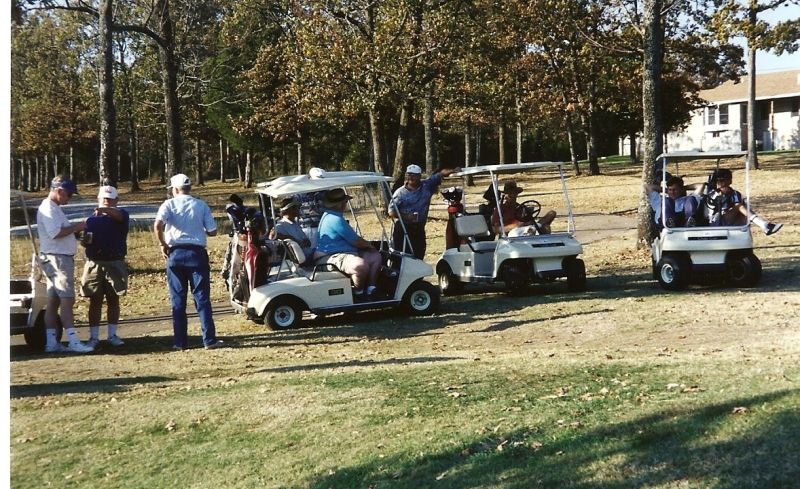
(682, 255)
(472, 256)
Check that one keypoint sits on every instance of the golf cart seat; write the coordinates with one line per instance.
(472, 227)
(297, 259)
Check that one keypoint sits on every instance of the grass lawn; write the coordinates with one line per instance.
(621, 386)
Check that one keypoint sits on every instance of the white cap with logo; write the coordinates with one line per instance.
(108, 192)
(415, 169)
(179, 181)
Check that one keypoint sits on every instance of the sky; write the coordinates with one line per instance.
(767, 62)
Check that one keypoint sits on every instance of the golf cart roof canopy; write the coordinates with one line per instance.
(702, 155)
(507, 168)
(301, 184)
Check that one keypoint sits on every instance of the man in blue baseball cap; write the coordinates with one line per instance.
(57, 259)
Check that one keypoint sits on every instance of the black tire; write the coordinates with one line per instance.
(655, 268)
(576, 275)
(743, 270)
(36, 335)
(421, 299)
(448, 283)
(514, 278)
(283, 313)
(674, 272)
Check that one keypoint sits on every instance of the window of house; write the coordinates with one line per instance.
(795, 107)
(711, 115)
(723, 114)
(763, 111)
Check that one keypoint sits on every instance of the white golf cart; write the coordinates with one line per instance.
(473, 256)
(292, 287)
(28, 298)
(681, 255)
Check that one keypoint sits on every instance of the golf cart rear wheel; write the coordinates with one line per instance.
(576, 275)
(421, 299)
(743, 270)
(448, 283)
(673, 272)
(36, 335)
(283, 313)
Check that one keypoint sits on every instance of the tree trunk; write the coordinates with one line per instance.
(72, 162)
(519, 132)
(633, 149)
(133, 154)
(401, 152)
(108, 112)
(501, 142)
(752, 149)
(430, 137)
(169, 76)
(248, 170)
(300, 151)
(198, 161)
(240, 166)
(221, 161)
(467, 142)
(376, 132)
(651, 103)
(573, 155)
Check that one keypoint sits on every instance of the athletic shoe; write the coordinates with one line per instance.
(179, 348)
(79, 347)
(773, 228)
(115, 341)
(215, 345)
(93, 342)
(690, 223)
(57, 348)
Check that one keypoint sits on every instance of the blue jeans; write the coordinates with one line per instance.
(189, 266)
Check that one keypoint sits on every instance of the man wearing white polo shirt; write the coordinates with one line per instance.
(57, 259)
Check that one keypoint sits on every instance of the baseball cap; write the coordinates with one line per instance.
(288, 203)
(64, 183)
(180, 180)
(316, 173)
(108, 192)
(414, 169)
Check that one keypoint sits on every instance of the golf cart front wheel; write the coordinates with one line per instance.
(421, 299)
(283, 313)
(36, 335)
(673, 272)
(576, 275)
(743, 270)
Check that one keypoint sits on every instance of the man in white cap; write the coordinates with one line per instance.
(410, 204)
(58, 245)
(182, 225)
(105, 274)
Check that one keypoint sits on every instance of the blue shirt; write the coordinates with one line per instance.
(335, 234)
(109, 237)
(410, 201)
(186, 220)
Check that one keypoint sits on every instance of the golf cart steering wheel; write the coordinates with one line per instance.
(528, 211)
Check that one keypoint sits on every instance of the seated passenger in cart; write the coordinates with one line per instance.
(515, 222)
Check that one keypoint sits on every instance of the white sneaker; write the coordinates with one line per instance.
(115, 341)
(57, 348)
(93, 342)
(79, 347)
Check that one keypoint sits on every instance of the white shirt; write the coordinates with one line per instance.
(186, 220)
(655, 202)
(50, 219)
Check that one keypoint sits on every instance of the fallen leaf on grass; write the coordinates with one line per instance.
(171, 425)
(693, 388)
(739, 410)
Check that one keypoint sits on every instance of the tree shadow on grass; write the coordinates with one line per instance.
(672, 448)
(96, 386)
(359, 363)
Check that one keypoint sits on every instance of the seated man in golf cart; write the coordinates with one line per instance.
(726, 207)
(339, 245)
(288, 227)
(679, 207)
(515, 222)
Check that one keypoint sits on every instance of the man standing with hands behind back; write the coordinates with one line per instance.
(182, 225)
(410, 204)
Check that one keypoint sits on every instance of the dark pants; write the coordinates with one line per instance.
(416, 234)
(189, 266)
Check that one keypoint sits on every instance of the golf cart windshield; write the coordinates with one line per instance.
(493, 172)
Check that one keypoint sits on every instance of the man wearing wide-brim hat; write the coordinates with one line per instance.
(511, 213)
(340, 245)
(288, 226)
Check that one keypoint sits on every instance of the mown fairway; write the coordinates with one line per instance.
(621, 386)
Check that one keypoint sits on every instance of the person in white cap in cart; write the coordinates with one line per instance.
(182, 225)
(105, 274)
(410, 204)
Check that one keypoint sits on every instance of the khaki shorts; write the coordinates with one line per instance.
(60, 273)
(102, 277)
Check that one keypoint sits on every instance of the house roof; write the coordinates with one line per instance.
(768, 86)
